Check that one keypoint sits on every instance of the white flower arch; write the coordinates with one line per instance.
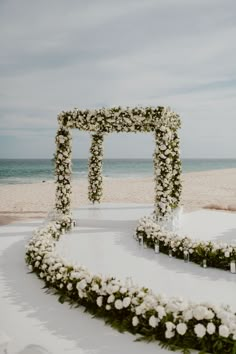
(167, 165)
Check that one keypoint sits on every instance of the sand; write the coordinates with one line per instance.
(213, 189)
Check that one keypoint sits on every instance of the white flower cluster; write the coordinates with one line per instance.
(218, 254)
(95, 168)
(118, 119)
(139, 305)
(167, 170)
(167, 162)
(63, 170)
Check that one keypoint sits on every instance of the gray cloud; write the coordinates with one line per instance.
(59, 55)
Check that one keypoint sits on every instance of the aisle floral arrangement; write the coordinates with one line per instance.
(127, 307)
(205, 253)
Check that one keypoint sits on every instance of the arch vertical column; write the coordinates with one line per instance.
(176, 171)
(63, 170)
(95, 180)
(162, 159)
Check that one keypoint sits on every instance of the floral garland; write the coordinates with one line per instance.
(95, 168)
(62, 159)
(205, 253)
(173, 322)
(167, 162)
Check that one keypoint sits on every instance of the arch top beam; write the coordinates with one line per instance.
(118, 119)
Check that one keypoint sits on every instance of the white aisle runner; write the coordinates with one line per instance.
(103, 242)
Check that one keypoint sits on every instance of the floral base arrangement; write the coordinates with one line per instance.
(207, 254)
(175, 323)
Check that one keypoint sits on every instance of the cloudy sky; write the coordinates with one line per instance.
(61, 54)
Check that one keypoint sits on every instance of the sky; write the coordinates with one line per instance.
(61, 54)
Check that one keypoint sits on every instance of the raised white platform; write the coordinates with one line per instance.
(103, 242)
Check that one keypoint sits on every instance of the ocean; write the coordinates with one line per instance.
(15, 171)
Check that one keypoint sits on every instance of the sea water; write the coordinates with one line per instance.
(13, 171)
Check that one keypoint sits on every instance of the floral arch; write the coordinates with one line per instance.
(167, 165)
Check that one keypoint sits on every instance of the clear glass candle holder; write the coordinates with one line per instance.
(204, 263)
(140, 239)
(186, 256)
(233, 267)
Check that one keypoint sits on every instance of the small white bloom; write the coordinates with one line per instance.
(188, 315)
(169, 334)
(126, 301)
(209, 315)
(211, 328)
(200, 330)
(99, 301)
(119, 304)
(111, 298)
(81, 284)
(227, 254)
(170, 326)
(181, 328)
(161, 311)
(223, 331)
(200, 312)
(135, 321)
(69, 286)
(123, 290)
(108, 307)
(153, 321)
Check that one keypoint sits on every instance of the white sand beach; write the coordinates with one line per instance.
(200, 190)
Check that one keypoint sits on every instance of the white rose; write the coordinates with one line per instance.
(99, 301)
(58, 276)
(169, 334)
(95, 287)
(108, 307)
(111, 298)
(211, 328)
(223, 331)
(161, 311)
(126, 301)
(188, 315)
(153, 321)
(200, 330)
(170, 326)
(209, 315)
(69, 286)
(81, 284)
(135, 321)
(123, 290)
(181, 328)
(199, 312)
(119, 304)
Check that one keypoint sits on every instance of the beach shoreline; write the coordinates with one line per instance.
(213, 189)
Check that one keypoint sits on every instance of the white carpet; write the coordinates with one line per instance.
(103, 242)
